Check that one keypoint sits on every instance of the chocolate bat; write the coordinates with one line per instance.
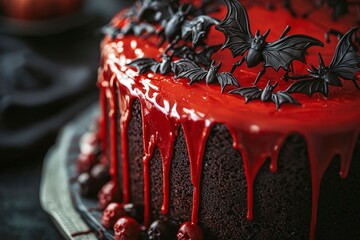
(202, 57)
(188, 69)
(266, 95)
(278, 54)
(144, 65)
(179, 26)
(154, 11)
(344, 65)
(134, 28)
(197, 28)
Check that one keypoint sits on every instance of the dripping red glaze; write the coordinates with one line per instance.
(330, 125)
(196, 133)
(125, 107)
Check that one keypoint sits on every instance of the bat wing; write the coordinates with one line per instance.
(282, 97)
(236, 28)
(204, 57)
(198, 28)
(148, 10)
(225, 79)
(281, 53)
(186, 29)
(143, 27)
(182, 65)
(188, 69)
(345, 62)
(309, 87)
(249, 93)
(144, 65)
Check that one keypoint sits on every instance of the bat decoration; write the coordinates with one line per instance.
(197, 28)
(180, 27)
(144, 65)
(266, 95)
(344, 65)
(137, 29)
(149, 11)
(339, 7)
(202, 57)
(155, 11)
(172, 28)
(278, 54)
(188, 69)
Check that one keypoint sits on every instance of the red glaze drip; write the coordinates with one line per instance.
(102, 117)
(196, 134)
(322, 149)
(255, 147)
(147, 197)
(160, 133)
(258, 130)
(125, 108)
(110, 92)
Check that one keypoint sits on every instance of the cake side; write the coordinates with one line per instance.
(278, 203)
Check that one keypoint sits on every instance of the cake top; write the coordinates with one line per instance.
(186, 66)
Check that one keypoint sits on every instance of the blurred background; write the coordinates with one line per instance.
(49, 55)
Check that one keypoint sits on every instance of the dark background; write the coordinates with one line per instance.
(48, 72)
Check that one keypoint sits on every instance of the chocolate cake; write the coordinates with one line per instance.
(183, 145)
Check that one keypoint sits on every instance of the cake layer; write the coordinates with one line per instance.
(282, 200)
(318, 130)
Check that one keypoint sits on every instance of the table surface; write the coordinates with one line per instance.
(21, 214)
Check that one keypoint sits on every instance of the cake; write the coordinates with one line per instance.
(196, 161)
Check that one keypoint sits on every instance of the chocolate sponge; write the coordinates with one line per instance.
(282, 200)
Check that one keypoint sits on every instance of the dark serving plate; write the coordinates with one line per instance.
(75, 216)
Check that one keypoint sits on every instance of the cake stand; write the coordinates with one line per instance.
(75, 217)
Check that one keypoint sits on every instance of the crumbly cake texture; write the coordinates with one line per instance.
(282, 200)
(189, 153)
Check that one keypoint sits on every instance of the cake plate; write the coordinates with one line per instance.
(75, 217)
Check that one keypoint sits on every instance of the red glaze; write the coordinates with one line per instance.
(125, 108)
(103, 118)
(163, 138)
(330, 125)
(196, 132)
(113, 141)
